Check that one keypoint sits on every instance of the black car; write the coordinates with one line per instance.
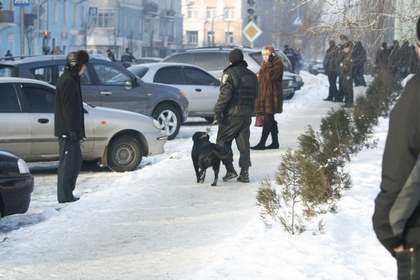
(108, 84)
(16, 184)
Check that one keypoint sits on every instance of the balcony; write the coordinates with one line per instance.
(7, 16)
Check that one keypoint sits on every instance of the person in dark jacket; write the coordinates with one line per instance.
(331, 69)
(233, 111)
(404, 56)
(290, 53)
(381, 60)
(396, 219)
(359, 55)
(346, 76)
(69, 124)
(270, 96)
(111, 55)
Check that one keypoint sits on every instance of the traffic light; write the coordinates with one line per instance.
(252, 11)
(46, 34)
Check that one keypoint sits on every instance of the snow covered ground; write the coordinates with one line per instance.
(158, 223)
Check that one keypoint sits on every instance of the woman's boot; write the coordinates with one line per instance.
(264, 135)
(274, 137)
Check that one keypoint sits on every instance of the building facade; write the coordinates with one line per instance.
(40, 27)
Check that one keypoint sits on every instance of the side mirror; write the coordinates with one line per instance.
(128, 85)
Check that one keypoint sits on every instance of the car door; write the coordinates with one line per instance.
(40, 103)
(118, 88)
(15, 128)
(204, 90)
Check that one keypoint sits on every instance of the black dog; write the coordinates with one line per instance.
(205, 154)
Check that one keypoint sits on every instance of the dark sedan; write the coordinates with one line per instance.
(16, 184)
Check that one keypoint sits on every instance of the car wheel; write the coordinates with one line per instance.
(169, 120)
(124, 154)
(290, 96)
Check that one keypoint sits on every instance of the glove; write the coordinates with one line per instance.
(217, 118)
(271, 57)
(73, 136)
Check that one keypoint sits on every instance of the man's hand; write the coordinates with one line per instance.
(399, 249)
(73, 136)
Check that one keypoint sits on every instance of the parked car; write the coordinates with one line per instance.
(216, 59)
(116, 138)
(201, 88)
(16, 184)
(146, 59)
(108, 84)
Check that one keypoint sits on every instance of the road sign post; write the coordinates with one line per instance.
(251, 31)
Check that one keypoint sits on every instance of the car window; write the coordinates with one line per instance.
(207, 60)
(39, 100)
(84, 79)
(198, 77)
(169, 75)
(223, 61)
(139, 71)
(43, 73)
(182, 57)
(6, 71)
(8, 99)
(110, 75)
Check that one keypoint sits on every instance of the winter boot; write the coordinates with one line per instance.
(244, 176)
(274, 137)
(264, 135)
(230, 171)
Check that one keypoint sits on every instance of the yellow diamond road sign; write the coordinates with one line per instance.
(251, 31)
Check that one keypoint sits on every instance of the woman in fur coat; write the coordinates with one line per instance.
(270, 96)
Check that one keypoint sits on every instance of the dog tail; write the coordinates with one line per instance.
(221, 151)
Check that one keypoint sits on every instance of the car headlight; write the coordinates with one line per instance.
(298, 79)
(290, 83)
(23, 167)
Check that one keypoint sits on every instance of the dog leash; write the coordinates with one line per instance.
(209, 128)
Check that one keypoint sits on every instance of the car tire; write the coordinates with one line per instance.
(290, 96)
(169, 120)
(124, 154)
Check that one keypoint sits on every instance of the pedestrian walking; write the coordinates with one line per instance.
(331, 69)
(233, 111)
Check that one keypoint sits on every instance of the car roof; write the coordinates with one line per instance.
(23, 80)
(36, 58)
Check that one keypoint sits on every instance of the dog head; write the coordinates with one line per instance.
(201, 136)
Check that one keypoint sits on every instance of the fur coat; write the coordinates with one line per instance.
(270, 93)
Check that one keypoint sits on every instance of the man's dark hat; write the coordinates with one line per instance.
(343, 37)
(81, 57)
(236, 55)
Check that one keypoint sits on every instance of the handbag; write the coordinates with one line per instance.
(259, 121)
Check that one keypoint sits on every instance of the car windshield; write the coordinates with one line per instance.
(139, 71)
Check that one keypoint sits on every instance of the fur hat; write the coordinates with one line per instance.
(77, 58)
(236, 55)
(384, 45)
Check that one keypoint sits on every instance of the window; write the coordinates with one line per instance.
(39, 100)
(192, 10)
(229, 38)
(55, 8)
(210, 38)
(198, 77)
(207, 61)
(183, 58)
(74, 15)
(192, 37)
(44, 74)
(84, 79)
(229, 13)
(8, 99)
(210, 13)
(169, 75)
(110, 75)
(103, 19)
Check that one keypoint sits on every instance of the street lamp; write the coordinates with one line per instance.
(212, 29)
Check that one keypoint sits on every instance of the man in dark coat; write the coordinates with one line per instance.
(69, 124)
(346, 76)
(381, 60)
(233, 111)
(331, 69)
(359, 55)
(396, 220)
(290, 53)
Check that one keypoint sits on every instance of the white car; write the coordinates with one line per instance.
(116, 138)
(200, 87)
